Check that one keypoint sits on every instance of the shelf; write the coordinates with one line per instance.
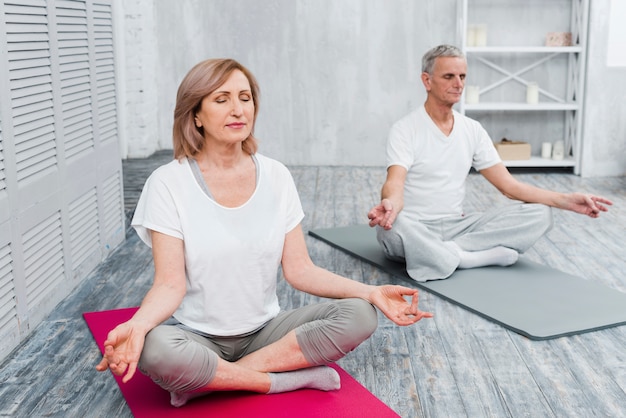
(519, 106)
(540, 162)
(513, 56)
(523, 49)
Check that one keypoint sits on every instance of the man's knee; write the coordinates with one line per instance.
(542, 214)
(548, 218)
(391, 243)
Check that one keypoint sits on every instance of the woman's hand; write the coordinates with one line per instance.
(122, 350)
(123, 346)
(390, 300)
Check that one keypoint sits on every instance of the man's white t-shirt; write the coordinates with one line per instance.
(232, 255)
(437, 165)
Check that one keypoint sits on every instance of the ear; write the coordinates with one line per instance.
(426, 80)
(197, 121)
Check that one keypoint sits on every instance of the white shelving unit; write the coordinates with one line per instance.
(516, 34)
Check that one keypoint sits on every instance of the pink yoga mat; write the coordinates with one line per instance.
(147, 400)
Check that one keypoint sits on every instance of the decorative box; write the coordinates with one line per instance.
(559, 39)
(513, 150)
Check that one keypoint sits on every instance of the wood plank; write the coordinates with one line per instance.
(457, 364)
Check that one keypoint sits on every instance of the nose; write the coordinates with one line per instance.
(237, 108)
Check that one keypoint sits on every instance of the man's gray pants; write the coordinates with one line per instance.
(427, 248)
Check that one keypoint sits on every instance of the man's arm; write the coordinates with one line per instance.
(392, 198)
(585, 204)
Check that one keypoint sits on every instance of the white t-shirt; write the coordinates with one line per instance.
(437, 165)
(232, 255)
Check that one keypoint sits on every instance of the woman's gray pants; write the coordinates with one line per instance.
(180, 360)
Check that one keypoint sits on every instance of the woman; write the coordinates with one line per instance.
(221, 219)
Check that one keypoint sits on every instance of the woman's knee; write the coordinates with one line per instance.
(362, 317)
(175, 361)
(348, 323)
(157, 348)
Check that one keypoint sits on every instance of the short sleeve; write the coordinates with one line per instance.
(399, 146)
(156, 211)
(485, 154)
(293, 206)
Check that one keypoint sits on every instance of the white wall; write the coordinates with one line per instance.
(334, 75)
(604, 123)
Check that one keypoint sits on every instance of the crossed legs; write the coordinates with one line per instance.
(278, 358)
(434, 249)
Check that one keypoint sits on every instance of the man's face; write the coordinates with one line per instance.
(445, 84)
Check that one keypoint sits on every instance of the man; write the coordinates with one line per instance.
(420, 218)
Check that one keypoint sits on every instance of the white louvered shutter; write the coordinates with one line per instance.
(61, 198)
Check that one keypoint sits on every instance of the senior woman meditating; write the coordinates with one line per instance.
(221, 218)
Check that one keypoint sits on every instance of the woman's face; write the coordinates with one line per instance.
(227, 114)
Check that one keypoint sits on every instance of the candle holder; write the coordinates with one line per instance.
(532, 93)
(546, 150)
(481, 35)
(471, 36)
(558, 150)
(472, 94)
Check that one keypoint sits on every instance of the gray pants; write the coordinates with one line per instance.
(180, 360)
(425, 246)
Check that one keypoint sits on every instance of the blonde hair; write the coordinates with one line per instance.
(203, 79)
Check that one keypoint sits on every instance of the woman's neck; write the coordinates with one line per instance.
(227, 157)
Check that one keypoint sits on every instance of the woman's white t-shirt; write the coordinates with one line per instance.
(437, 165)
(232, 255)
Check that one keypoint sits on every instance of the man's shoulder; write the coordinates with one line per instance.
(411, 119)
(465, 119)
(415, 113)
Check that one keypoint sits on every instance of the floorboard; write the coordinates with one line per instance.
(455, 365)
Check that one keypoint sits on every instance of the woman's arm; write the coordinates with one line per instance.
(169, 285)
(304, 275)
(124, 343)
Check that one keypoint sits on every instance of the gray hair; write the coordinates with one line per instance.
(428, 60)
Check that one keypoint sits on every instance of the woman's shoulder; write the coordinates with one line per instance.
(169, 174)
(269, 163)
(174, 167)
(273, 169)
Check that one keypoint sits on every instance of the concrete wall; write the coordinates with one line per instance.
(334, 75)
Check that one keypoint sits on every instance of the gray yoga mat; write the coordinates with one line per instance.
(533, 300)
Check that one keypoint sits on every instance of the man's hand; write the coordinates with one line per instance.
(382, 214)
(585, 204)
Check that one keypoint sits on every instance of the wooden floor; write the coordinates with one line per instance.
(454, 365)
